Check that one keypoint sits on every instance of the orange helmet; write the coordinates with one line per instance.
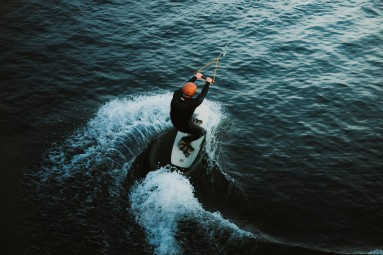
(189, 89)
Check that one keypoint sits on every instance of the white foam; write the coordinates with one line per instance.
(163, 199)
(216, 116)
(139, 118)
(110, 141)
(376, 252)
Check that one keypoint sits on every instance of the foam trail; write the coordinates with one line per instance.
(215, 117)
(165, 198)
(110, 141)
(376, 252)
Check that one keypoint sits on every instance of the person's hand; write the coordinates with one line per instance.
(198, 75)
(209, 80)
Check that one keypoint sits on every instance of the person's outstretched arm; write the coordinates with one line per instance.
(204, 91)
(195, 77)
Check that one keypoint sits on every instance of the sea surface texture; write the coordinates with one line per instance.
(293, 157)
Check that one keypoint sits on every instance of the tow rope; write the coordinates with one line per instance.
(224, 51)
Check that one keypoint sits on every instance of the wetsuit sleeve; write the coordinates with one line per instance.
(193, 79)
(202, 95)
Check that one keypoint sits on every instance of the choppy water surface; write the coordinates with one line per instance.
(292, 162)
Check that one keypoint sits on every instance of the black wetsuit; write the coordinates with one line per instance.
(182, 109)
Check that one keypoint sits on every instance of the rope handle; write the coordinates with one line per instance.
(216, 60)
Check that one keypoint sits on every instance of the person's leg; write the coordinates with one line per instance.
(195, 132)
(196, 120)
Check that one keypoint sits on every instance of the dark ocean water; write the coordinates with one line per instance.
(293, 160)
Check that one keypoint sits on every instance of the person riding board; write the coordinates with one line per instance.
(182, 108)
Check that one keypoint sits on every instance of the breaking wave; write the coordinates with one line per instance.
(108, 144)
(164, 200)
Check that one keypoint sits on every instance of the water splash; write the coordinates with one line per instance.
(163, 200)
(108, 144)
(216, 117)
(376, 252)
